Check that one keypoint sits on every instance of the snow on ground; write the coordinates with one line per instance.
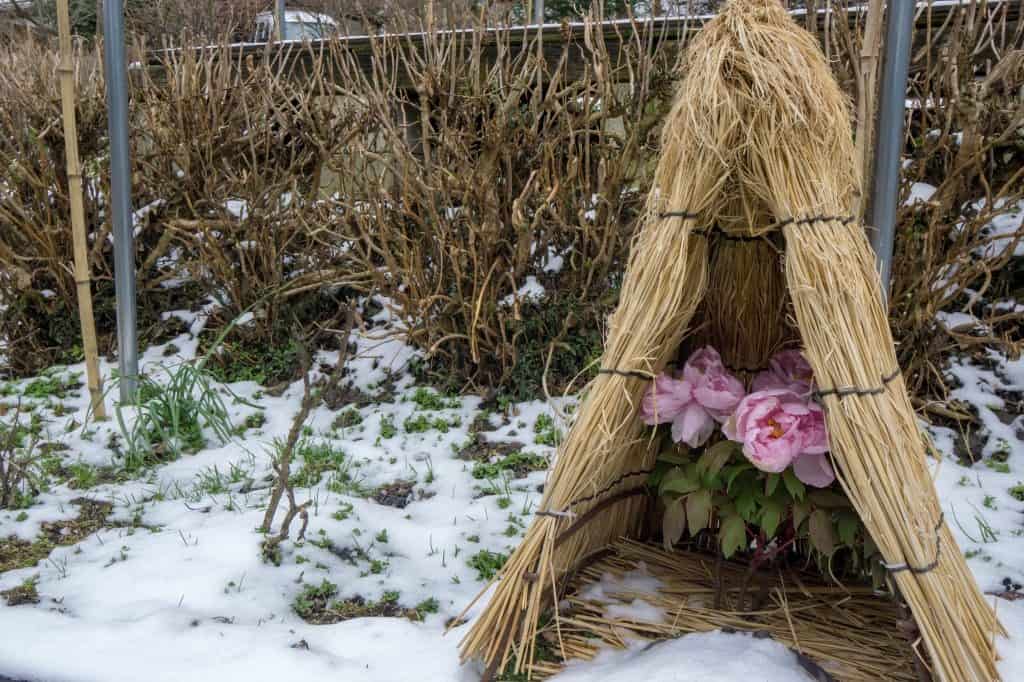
(175, 587)
(699, 657)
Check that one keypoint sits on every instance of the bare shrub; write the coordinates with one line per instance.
(173, 21)
(461, 179)
(483, 183)
(38, 311)
(235, 151)
(960, 249)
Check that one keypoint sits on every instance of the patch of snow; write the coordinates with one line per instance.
(701, 657)
(958, 321)
(238, 208)
(140, 216)
(637, 610)
(553, 262)
(531, 289)
(920, 192)
(637, 580)
(1006, 230)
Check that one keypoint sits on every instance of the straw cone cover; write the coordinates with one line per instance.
(758, 142)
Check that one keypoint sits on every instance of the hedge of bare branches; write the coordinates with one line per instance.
(490, 200)
(489, 183)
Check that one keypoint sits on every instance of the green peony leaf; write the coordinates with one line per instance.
(746, 505)
(771, 483)
(732, 535)
(847, 524)
(730, 473)
(793, 484)
(673, 523)
(698, 510)
(716, 457)
(771, 516)
(677, 481)
(801, 510)
(827, 499)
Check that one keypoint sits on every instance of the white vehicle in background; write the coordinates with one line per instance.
(298, 25)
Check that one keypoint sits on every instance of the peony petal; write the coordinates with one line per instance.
(729, 429)
(767, 381)
(814, 470)
(720, 395)
(693, 427)
(772, 455)
(665, 400)
(703, 362)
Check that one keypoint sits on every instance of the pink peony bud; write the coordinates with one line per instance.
(703, 361)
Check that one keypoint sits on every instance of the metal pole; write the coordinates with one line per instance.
(279, 19)
(899, 18)
(116, 69)
(538, 11)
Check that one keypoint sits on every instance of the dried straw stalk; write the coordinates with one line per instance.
(82, 278)
(759, 129)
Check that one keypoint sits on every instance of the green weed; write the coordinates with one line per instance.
(487, 563)
(426, 399)
(519, 463)
(546, 431)
(347, 419)
(421, 423)
(171, 416)
(316, 458)
(387, 427)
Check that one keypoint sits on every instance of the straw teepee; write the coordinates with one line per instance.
(753, 197)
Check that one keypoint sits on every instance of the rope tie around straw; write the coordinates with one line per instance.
(568, 513)
(630, 373)
(846, 391)
(842, 219)
(930, 566)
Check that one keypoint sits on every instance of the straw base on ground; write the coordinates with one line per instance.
(851, 633)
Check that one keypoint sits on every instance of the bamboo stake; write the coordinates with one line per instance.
(82, 278)
(867, 101)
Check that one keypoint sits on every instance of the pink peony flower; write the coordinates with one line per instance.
(706, 394)
(714, 388)
(789, 370)
(776, 427)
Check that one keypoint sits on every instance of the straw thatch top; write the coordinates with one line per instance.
(781, 111)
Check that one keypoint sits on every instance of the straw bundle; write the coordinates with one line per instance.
(744, 311)
(758, 141)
